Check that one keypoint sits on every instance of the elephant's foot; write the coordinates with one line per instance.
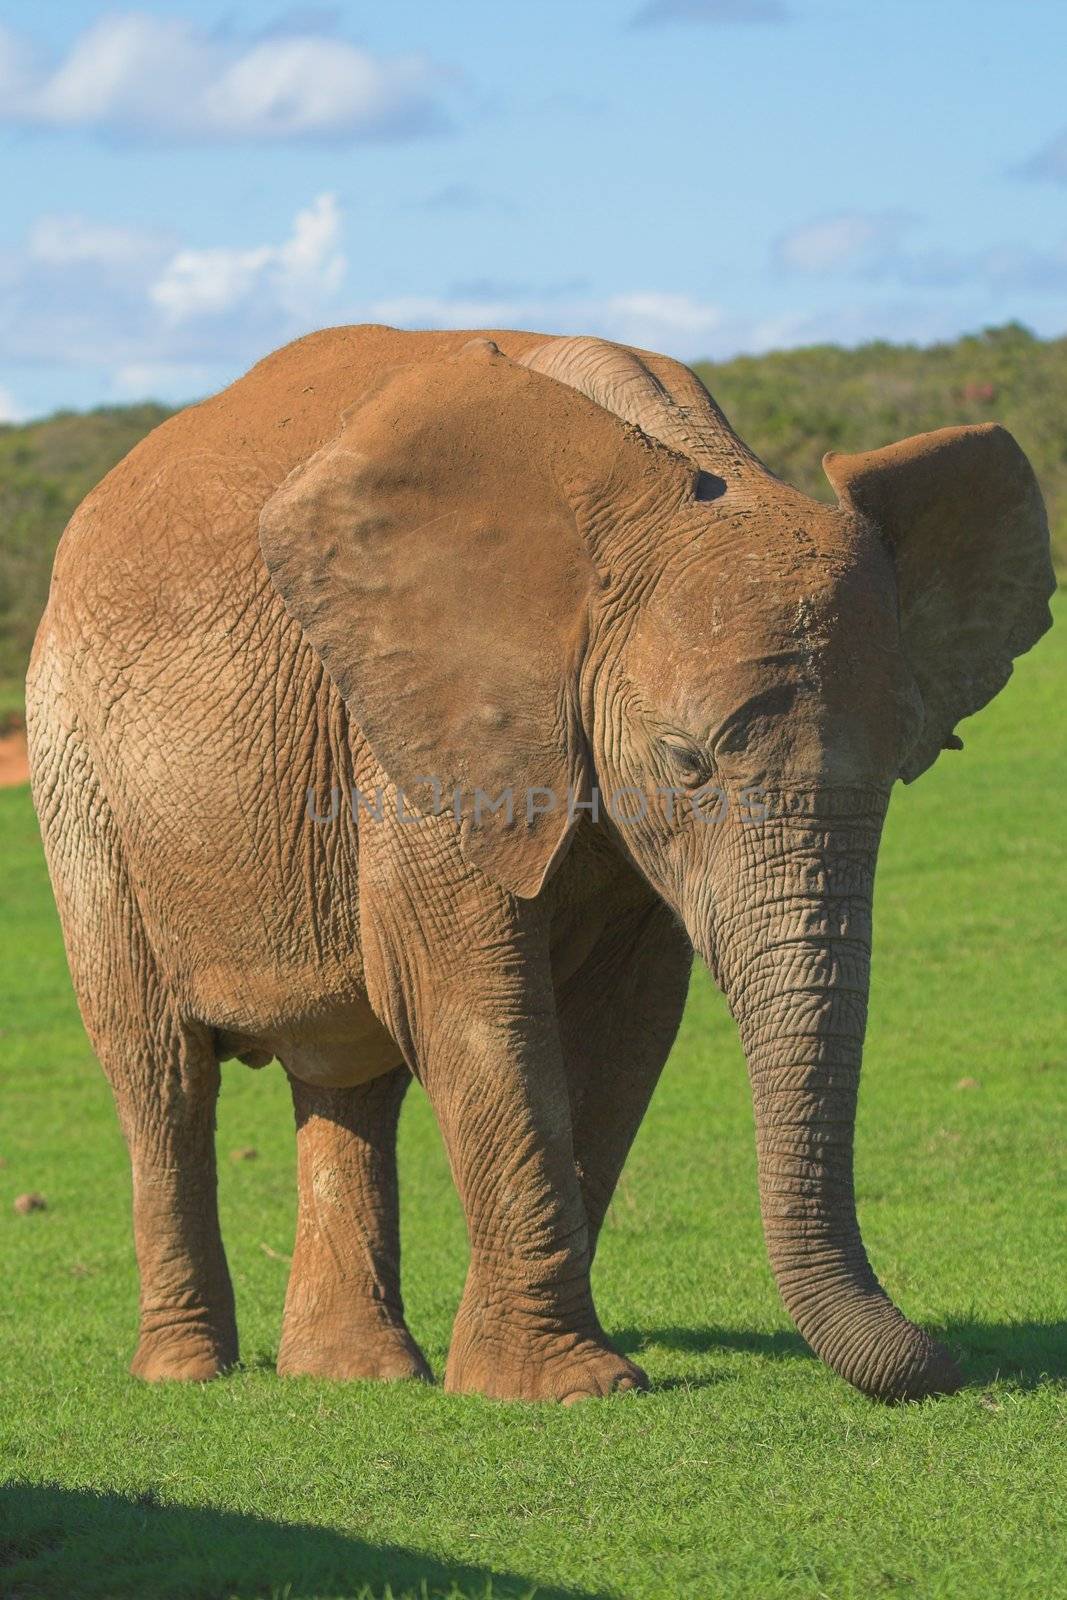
(188, 1352)
(510, 1363)
(348, 1348)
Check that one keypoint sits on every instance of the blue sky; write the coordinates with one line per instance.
(189, 185)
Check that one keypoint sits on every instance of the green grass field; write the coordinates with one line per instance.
(750, 1470)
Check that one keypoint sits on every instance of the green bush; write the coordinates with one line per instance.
(46, 468)
(793, 405)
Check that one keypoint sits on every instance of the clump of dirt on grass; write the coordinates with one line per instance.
(14, 765)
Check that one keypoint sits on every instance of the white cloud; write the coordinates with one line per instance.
(9, 411)
(118, 311)
(850, 323)
(16, 62)
(67, 239)
(657, 12)
(172, 381)
(850, 239)
(874, 246)
(297, 276)
(300, 88)
(1048, 162)
(671, 316)
(1023, 267)
(135, 73)
(442, 311)
(126, 303)
(463, 197)
(674, 323)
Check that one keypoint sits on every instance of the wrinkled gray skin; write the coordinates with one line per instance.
(518, 561)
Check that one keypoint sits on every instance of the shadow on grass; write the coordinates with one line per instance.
(703, 1341)
(62, 1542)
(1029, 1355)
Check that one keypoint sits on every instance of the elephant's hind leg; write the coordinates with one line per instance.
(344, 1317)
(167, 1105)
(163, 1073)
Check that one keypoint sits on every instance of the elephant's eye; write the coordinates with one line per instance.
(689, 765)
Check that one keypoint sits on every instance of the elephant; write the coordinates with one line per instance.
(300, 648)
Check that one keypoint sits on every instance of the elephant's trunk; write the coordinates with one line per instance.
(791, 943)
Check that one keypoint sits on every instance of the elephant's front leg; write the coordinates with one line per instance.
(526, 1328)
(344, 1317)
(619, 1014)
(471, 997)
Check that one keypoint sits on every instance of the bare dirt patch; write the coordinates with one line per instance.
(14, 766)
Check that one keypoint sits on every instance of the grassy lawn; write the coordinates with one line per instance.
(750, 1471)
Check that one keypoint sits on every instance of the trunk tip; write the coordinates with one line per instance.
(936, 1373)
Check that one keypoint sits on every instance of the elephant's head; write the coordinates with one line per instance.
(567, 573)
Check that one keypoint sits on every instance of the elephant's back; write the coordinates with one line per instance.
(172, 531)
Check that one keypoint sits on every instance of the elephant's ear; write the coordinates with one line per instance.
(434, 563)
(963, 515)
